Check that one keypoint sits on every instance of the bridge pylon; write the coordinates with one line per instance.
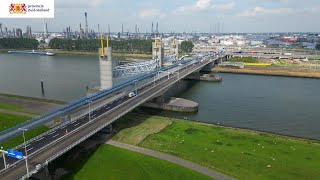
(174, 49)
(158, 50)
(105, 62)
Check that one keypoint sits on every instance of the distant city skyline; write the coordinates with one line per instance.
(245, 16)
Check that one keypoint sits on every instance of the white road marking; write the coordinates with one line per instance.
(52, 132)
(55, 135)
(76, 124)
(30, 149)
(40, 139)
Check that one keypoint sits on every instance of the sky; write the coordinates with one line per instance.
(237, 16)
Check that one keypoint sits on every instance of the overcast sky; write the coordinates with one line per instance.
(182, 15)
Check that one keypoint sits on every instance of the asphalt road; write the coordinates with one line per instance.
(67, 136)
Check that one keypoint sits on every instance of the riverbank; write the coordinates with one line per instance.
(15, 110)
(89, 53)
(271, 71)
(241, 153)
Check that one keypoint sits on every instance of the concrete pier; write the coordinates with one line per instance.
(204, 77)
(175, 104)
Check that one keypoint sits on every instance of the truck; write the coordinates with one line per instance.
(132, 94)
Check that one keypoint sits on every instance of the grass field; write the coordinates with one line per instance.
(9, 120)
(109, 162)
(244, 59)
(240, 153)
(14, 108)
(136, 134)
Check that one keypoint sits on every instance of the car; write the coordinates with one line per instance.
(132, 94)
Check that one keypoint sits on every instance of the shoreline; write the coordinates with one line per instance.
(270, 72)
(192, 120)
(240, 128)
(87, 53)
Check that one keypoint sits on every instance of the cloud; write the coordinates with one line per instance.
(265, 11)
(151, 13)
(224, 7)
(199, 5)
(79, 4)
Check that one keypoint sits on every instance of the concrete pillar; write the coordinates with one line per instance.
(175, 48)
(106, 73)
(158, 51)
(107, 129)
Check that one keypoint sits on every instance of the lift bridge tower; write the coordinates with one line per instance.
(174, 49)
(105, 61)
(158, 50)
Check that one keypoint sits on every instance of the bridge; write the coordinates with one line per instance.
(88, 115)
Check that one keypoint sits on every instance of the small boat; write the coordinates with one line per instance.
(32, 53)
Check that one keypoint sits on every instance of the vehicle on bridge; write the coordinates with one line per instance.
(132, 94)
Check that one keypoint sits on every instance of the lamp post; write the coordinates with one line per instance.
(25, 150)
(4, 158)
(135, 87)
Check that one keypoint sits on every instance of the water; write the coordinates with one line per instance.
(65, 77)
(276, 104)
(281, 105)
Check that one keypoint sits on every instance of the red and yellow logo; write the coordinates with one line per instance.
(18, 8)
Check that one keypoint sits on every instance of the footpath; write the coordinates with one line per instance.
(209, 172)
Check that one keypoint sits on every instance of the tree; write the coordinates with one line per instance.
(318, 46)
(187, 46)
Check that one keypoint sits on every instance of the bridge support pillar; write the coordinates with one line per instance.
(175, 48)
(106, 73)
(42, 174)
(158, 50)
(107, 129)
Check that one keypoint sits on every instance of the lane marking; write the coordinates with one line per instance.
(52, 132)
(30, 149)
(56, 135)
(76, 124)
(40, 139)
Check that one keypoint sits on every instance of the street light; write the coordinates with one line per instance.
(89, 109)
(135, 87)
(25, 150)
(4, 158)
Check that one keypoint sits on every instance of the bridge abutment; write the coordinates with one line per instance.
(174, 104)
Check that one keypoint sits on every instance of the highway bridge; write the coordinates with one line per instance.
(80, 123)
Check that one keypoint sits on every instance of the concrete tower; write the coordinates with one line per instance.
(174, 49)
(86, 21)
(105, 61)
(158, 50)
(1, 32)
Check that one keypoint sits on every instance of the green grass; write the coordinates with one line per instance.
(136, 134)
(244, 59)
(240, 153)
(14, 108)
(109, 162)
(10, 120)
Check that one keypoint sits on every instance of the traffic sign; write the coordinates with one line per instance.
(15, 154)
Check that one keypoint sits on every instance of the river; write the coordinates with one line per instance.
(281, 105)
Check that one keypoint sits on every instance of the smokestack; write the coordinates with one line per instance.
(157, 28)
(152, 28)
(98, 29)
(86, 19)
(122, 30)
(109, 30)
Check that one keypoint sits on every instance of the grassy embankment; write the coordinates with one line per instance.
(244, 59)
(10, 120)
(109, 162)
(240, 153)
(15, 108)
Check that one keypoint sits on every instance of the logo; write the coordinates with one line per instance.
(18, 8)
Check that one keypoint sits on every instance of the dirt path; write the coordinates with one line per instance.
(173, 159)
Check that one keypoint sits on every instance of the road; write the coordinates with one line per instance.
(63, 138)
